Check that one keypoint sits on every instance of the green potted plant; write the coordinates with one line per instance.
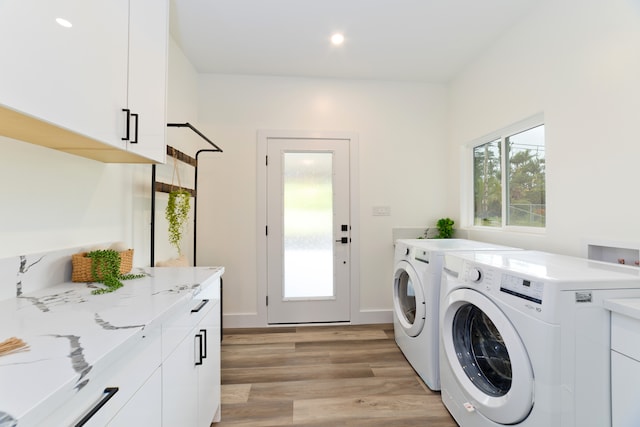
(445, 228)
(177, 211)
(105, 268)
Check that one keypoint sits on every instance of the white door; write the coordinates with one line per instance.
(308, 227)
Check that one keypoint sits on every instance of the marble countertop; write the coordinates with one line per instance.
(73, 335)
(627, 306)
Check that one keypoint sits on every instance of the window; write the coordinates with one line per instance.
(519, 152)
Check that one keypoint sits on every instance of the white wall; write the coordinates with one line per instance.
(579, 63)
(53, 200)
(401, 129)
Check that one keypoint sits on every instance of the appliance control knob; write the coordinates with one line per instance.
(474, 275)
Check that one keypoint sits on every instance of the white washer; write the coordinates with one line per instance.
(525, 338)
(416, 293)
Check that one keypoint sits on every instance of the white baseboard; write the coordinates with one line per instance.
(252, 320)
(242, 320)
(365, 317)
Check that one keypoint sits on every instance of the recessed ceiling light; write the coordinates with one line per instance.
(337, 39)
(63, 22)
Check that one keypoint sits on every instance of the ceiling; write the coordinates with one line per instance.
(404, 40)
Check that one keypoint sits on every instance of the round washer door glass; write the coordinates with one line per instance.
(409, 303)
(481, 351)
(486, 355)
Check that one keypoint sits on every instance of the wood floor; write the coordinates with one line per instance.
(323, 376)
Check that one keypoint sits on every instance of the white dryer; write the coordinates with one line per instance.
(525, 338)
(416, 293)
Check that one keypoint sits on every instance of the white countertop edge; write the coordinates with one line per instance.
(626, 306)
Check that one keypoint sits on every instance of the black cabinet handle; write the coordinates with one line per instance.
(108, 392)
(135, 139)
(199, 307)
(128, 120)
(203, 349)
(199, 338)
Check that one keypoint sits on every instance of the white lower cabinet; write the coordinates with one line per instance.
(191, 371)
(143, 408)
(170, 377)
(179, 390)
(209, 371)
(625, 370)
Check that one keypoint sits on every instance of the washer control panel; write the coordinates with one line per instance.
(490, 280)
(522, 288)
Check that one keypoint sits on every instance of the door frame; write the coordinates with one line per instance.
(261, 214)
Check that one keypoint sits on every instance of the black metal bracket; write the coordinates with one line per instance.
(190, 126)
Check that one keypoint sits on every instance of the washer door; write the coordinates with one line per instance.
(487, 357)
(408, 299)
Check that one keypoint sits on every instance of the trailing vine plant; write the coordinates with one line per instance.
(105, 268)
(176, 213)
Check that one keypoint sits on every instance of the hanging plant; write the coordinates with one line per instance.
(177, 211)
(105, 268)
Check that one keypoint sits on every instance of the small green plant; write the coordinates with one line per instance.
(105, 268)
(177, 211)
(445, 228)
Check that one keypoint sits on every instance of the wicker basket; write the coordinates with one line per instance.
(81, 266)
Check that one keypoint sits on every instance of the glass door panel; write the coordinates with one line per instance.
(308, 225)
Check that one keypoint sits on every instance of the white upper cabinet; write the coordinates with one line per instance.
(74, 77)
(148, 51)
(65, 87)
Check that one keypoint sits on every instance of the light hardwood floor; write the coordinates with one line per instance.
(323, 376)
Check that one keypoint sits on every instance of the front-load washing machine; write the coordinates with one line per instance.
(416, 290)
(525, 339)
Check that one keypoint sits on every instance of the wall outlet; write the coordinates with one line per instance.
(381, 210)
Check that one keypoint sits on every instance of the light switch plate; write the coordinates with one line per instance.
(381, 210)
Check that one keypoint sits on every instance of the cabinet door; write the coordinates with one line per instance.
(73, 77)
(209, 372)
(180, 385)
(148, 53)
(143, 409)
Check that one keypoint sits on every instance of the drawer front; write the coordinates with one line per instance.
(625, 374)
(102, 398)
(625, 335)
(177, 328)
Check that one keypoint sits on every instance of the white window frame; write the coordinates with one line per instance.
(467, 204)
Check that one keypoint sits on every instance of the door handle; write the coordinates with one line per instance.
(200, 355)
(135, 138)
(199, 307)
(108, 393)
(128, 121)
(343, 240)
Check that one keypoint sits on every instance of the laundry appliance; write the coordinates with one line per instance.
(416, 290)
(525, 339)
